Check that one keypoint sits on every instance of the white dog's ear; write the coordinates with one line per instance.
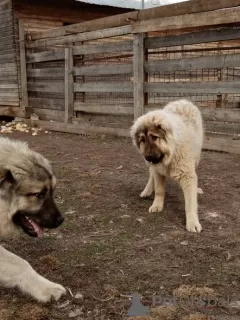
(6, 176)
(165, 128)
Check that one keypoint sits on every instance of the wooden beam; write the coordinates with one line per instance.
(223, 115)
(107, 69)
(69, 85)
(9, 86)
(9, 95)
(194, 87)
(186, 21)
(138, 73)
(46, 73)
(14, 111)
(120, 46)
(193, 38)
(46, 87)
(205, 62)
(78, 128)
(105, 33)
(176, 9)
(8, 103)
(47, 114)
(211, 142)
(221, 143)
(104, 87)
(46, 103)
(222, 127)
(102, 108)
(45, 56)
(23, 71)
(210, 114)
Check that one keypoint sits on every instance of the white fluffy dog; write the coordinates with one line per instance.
(170, 140)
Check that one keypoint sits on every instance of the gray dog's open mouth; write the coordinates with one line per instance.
(29, 226)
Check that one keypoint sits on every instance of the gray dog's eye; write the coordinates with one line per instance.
(39, 195)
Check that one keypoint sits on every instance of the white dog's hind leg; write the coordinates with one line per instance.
(188, 184)
(16, 272)
(159, 187)
(148, 190)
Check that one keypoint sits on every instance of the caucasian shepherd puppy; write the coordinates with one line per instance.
(170, 140)
(26, 206)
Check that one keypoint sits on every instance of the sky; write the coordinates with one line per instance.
(137, 4)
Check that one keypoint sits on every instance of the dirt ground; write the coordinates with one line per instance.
(110, 246)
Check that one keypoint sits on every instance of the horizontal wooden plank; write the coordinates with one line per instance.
(104, 108)
(12, 95)
(211, 142)
(14, 111)
(221, 34)
(203, 19)
(45, 87)
(226, 115)
(8, 81)
(207, 62)
(105, 33)
(45, 56)
(46, 103)
(219, 87)
(46, 73)
(221, 143)
(8, 86)
(123, 19)
(209, 114)
(108, 69)
(8, 51)
(222, 127)
(9, 103)
(7, 38)
(8, 66)
(78, 128)
(9, 76)
(103, 87)
(120, 46)
(7, 58)
(47, 114)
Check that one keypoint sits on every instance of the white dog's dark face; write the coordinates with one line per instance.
(149, 142)
(152, 136)
(26, 195)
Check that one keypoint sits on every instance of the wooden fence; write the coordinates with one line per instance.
(109, 71)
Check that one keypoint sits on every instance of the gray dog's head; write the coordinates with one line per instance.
(27, 184)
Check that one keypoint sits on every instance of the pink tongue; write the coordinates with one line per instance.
(37, 229)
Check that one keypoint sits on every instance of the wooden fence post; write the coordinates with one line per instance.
(23, 67)
(138, 74)
(69, 85)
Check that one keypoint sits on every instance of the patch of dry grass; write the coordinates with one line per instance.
(196, 316)
(166, 313)
(186, 291)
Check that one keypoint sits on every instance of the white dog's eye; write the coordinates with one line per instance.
(142, 139)
(154, 138)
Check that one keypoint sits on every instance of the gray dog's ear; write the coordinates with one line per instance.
(6, 176)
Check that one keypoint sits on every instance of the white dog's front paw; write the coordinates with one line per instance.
(193, 226)
(156, 207)
(199, 191)
(146, 193)
(47, 290)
